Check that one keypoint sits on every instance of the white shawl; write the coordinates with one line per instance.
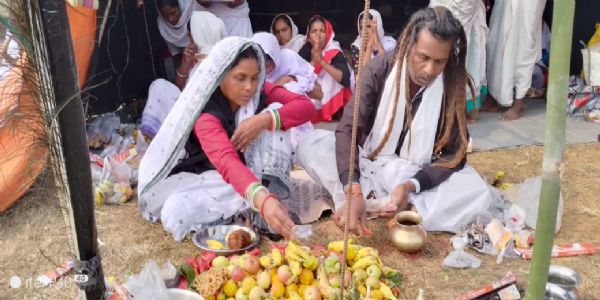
(287, 63)
(168, 146)
(419, 142)
(177, 35)
(387, 42)
(297, 40)
(207, 30)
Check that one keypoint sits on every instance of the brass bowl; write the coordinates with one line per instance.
(406, 231)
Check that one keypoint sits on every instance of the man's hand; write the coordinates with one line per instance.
(275, 214)
(235, 3)
(139, 3)
(358, 216)
(249, 129)
(398, 199)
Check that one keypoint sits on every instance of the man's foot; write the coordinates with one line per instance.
(515, 112)
(489, 105)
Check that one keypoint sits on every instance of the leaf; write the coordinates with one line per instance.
(188, 272)
(394, 279)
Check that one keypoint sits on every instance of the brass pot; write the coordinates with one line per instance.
(406, 231)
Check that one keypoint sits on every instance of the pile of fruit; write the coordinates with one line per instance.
(291, 271)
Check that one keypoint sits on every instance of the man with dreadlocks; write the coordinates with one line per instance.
(412, 134)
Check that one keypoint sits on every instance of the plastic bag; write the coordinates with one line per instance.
(528, 199)
(514, 218)
(100, 131)
(459, 258)
(591, 64)
(149, 284)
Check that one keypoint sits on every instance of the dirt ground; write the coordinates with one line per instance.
(34, 237)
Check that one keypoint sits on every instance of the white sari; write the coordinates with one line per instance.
(387, 42)
(185, 202)
(237, 19)
(448, 207)
(176, 35)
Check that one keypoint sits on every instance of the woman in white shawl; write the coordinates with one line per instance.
(235, 14)
(206, 30)
(286, 31)
(334, 74)
(377, 41)
(221, 145)
(173, 19)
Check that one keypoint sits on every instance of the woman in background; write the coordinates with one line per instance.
(377, 42)
(334, 74)
(235, 15)
(286, 31)
(173, 19)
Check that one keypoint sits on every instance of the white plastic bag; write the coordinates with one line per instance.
(528, 198)
(591, 64)
(149, 284)
(459, 258)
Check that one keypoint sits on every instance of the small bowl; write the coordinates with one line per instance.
(563, 277)
(219, 233)
(555, 292)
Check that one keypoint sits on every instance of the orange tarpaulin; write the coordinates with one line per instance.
(22, 138)
(82, 21)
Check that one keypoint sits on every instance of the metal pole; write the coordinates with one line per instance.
(71, 122)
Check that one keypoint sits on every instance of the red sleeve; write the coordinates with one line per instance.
(222, 154)
(297, 109)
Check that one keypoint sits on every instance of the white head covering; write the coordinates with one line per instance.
(388, 42)
(177, 35)
(297, 40)
(207, 30)
(287, 62)
(168, 144)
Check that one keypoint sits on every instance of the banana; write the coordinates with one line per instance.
(365, 262)
(386, 291)
(327, 291)
(366, 251)
(276, 257)
(338, 246)
(296, 251)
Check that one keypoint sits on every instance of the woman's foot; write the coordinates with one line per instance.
(515, 112)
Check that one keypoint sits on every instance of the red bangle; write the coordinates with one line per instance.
(262, 207)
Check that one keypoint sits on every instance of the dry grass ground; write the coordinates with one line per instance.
(33, 236)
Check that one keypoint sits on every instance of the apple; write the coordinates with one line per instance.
(312, 293)
(266, 261)
(239, 295)
(374, 271)
(332, 264)
(257, 293)
(237, 274)
(360, 275)
(284, 273)
(335, 280)
(263, 279)
(372, 282)
(234, 259)
(220, 262)
(251, 264)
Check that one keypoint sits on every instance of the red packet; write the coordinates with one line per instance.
(509, 279)
(574, 249)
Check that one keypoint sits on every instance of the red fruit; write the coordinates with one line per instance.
(237, 274)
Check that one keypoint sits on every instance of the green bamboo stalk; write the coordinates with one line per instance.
(554, 146)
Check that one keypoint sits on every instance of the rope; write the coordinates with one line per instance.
(355, 113)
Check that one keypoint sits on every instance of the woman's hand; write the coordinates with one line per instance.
(315, 53)
(189, 60)
(284, 79)
(275, 214)
(204, 3)
(235, 3)
(316, 93)
(249, 129)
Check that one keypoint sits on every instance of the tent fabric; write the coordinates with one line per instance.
(82, 21)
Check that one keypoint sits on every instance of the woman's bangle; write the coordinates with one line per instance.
(275, 120)
(181, 75)
(262, 207)
(251, 191)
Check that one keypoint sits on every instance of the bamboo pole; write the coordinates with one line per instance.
(554, 146)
